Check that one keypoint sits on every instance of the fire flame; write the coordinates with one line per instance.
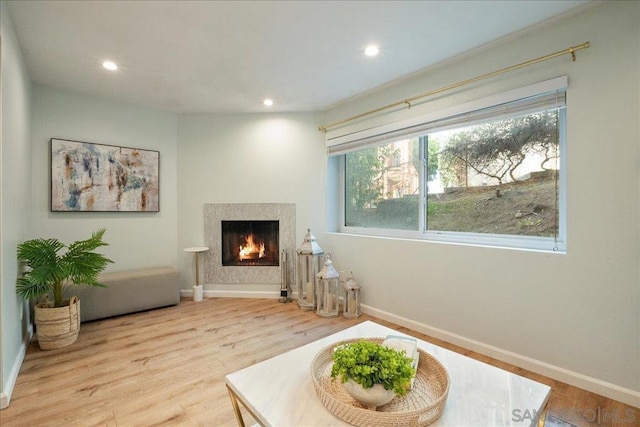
(251, 250)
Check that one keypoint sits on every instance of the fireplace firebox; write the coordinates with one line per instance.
(250, 243)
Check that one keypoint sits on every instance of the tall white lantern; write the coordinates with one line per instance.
(309, 263)
(328, 290)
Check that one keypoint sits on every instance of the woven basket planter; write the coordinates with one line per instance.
(57, 326)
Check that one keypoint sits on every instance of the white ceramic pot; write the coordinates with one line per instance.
(369, 397)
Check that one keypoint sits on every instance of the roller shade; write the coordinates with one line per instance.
(494, 108)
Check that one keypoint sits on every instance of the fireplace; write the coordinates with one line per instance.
(272, 224)
(250, 243)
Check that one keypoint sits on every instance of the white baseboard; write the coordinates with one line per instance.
(4, 400)
(186, 293)
(5, 396)
(612, 391)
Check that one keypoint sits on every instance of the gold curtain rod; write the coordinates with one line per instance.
(572, 50)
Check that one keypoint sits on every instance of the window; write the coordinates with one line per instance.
(382, 186)
(492, 176)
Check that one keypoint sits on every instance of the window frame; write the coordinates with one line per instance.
(555, 244)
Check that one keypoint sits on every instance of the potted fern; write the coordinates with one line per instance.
(50, 272)
(372, 373)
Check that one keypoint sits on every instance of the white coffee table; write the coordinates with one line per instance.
(279, 391)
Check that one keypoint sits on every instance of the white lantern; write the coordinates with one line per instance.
(328, 290)
(351, 298)
(309, 262)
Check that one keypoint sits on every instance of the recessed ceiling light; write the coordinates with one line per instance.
(268, 102)
(109, 65)
(371, 50)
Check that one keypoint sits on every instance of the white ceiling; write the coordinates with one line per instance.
(227, 56)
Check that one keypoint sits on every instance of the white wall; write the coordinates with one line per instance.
(248, 158)
(577, 312)
(138, 239)
(15, 167)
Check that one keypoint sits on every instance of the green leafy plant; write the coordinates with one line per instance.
(368, 363)
(51, 272)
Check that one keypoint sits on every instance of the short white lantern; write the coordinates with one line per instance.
(351, 298)
(328, 290)
(309, 263)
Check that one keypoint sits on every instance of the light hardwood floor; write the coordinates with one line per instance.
(167, 367)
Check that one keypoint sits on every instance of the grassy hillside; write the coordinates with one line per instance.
(522, 208)
(525, 208)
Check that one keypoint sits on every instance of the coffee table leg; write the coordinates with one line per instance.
(543, 415)
(236, 408)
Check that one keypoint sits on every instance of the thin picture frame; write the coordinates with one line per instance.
(91, 177)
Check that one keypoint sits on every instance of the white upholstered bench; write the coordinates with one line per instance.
(128, 292)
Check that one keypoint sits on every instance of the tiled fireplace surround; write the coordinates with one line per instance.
(214, 214)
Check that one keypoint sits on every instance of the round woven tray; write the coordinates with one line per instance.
(421, 406)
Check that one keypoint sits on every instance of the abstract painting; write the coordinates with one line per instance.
(103, 178)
